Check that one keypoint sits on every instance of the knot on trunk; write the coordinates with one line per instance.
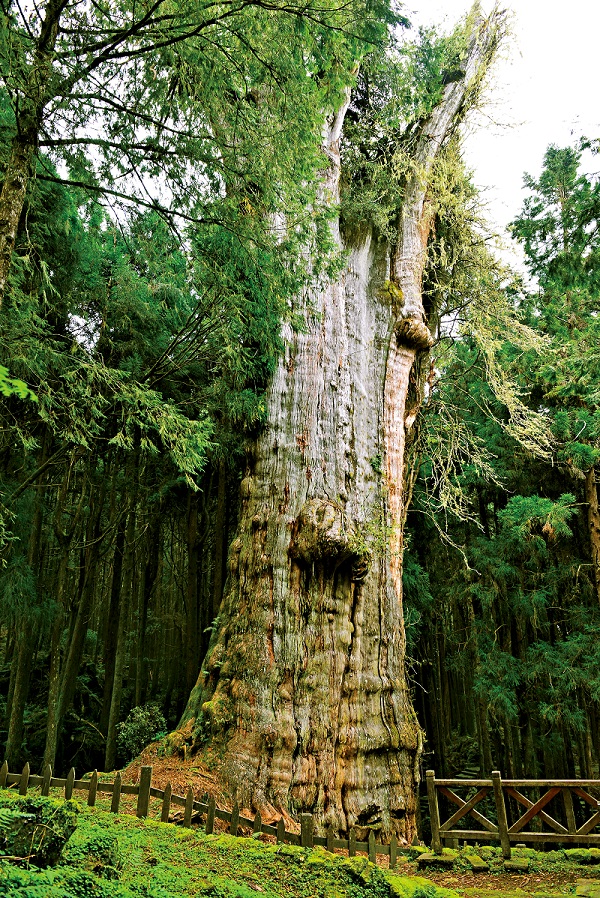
(321, 533)
(414, 334)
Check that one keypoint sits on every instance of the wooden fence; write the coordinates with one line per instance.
(578, 827)
(207, 808)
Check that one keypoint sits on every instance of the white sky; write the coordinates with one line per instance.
(545, 90)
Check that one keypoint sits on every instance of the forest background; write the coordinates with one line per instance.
(146, 275)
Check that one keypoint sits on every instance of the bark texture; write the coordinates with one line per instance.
(303, 691)
(593, 517)
(24, 144)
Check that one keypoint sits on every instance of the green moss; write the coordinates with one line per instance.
(417, 887)
(112, 856)
(583, 856)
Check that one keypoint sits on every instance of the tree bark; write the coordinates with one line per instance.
(304, 690)
(28, 121)
(593, 518)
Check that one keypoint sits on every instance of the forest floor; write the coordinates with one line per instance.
(118, 856)
(551, 874)
(505, 885)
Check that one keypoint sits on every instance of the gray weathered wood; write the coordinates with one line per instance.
(46, 780)
(569, 810)
(330, 838)
(257, 825)
(143, 801)
(372, 852)
(434, 812)
(393, 852)
(92, 789)
(116, 795)
(189, 807)
(24, 780)
(352, 842)
(235, 819)
(3, 774)
(281, 830)
(70, 783)
(501, 814)
(210, 816)
(307, 831)
(166, 804)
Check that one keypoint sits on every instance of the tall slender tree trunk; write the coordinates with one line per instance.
(593, 519)
(305, 691)
(30, 107)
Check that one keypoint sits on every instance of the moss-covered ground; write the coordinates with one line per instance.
(110, 856)
(118, 856)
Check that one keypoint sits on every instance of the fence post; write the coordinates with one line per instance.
(166, 805)
(210, 816)
(235, 819)
(372, 853)
(280, 830)
(116, 795)
(3, 774)
(393, 851)
(144, 792)
(257, 825)
(47, 778)
(189, 807)
(69, 784)
(307, 835)
(501, 812)
(24, 781)
(434, 812)
(352, 842)
(569, 810)
(93, 787)
(330, 837)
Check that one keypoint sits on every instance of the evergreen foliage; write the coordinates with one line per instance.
(510, 632)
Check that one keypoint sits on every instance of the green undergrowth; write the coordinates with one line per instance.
(117, 856)
(77, 852)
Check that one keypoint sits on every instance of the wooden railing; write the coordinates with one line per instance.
(504, 830)
(193, 808)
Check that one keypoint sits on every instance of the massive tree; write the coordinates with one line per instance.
(303, 692)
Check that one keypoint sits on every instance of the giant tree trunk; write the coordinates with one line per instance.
(304, 691)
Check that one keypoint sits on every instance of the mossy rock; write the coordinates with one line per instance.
(36, 829)
(476, 863)
(588, 888)
(444, 860)
(520, 851)
(96, 851)
(415, 851)
(516, 865)
(584, 856)
(416, 887)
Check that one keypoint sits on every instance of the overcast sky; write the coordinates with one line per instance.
(546, 90)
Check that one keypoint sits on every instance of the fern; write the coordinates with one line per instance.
(8, 816)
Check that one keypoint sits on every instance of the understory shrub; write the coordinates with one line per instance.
(142, 725)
